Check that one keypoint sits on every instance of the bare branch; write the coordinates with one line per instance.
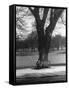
(35, 12)
(62, 21)
(63, 18)
(57, 13)
(19, 20)
(51, 15)
(54, 16)
(31, 10)
(45, 14)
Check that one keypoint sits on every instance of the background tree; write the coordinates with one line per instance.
(58, 42)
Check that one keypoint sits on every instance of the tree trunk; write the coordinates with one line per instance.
(43, 46)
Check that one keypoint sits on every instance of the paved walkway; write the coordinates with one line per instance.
(52, 71)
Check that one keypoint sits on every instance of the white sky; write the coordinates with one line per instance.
(60, 29)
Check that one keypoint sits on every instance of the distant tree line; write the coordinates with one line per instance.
(32, 42)
(58, 42)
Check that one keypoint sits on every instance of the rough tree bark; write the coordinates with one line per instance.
(44, 38)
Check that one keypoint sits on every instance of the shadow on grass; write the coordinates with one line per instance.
(44, 79)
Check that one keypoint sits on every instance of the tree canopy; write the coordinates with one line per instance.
(26, 22)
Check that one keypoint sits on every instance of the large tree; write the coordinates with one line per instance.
(44, 35)
(44, 28)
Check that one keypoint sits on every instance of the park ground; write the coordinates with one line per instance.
(26, 73)
(54, 57)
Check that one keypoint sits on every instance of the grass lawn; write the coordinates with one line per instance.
(55, 57)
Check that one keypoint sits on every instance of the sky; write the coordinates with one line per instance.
(60, 29)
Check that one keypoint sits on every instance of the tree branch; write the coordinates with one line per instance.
(51, 15)
(31, 10)
(57, 13)
(35, 12)
(54, 16)
(45, 14)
